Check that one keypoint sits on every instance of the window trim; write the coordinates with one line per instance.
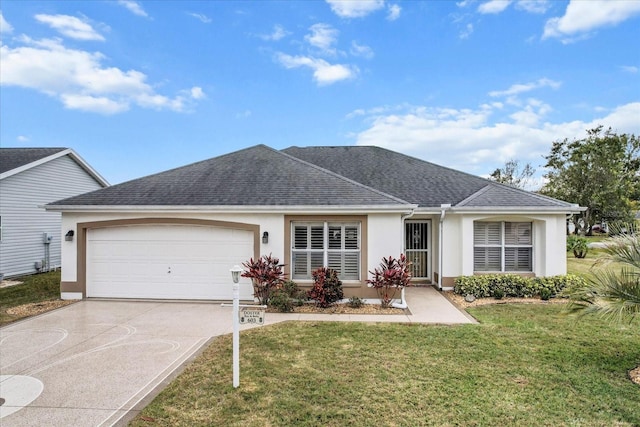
(360, 219)
(503, 246)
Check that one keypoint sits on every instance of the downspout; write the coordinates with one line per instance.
(403, 302)
(443, 210)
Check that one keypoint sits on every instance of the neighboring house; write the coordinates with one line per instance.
(176, 234)
(30, 178)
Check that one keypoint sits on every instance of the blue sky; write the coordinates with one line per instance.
(138, 87)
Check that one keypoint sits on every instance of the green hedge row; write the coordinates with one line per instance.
(511, 285)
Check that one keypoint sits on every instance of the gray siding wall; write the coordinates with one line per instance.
(24, 220)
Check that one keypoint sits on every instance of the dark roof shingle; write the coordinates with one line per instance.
(13, 158)
(417, 181)
(256, 176)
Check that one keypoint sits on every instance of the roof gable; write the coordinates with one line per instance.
(16, 160)
(500, 195)
(256, 176)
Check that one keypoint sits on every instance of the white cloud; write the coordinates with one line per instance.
(533, 6)
(323, 37)
(582, 17)
(244, 115)
(324, 73)
(133, 7)
(200, 17)
(278, 33)
(5, 27)
(70, 26)
(519, 88)
(629, 69)
(466, 32)
(23, 138)
(361, 50)
(355, 8)
(394, 12)
(493, 6)
(477, 142)
(80, 81)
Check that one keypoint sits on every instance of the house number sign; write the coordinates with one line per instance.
(251, 315)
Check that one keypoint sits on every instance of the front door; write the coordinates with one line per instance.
(417, 237)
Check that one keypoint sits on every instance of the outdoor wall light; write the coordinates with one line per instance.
(235, 273)
(69, 236)
(265, 237)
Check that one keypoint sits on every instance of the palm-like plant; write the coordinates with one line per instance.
(613, 295)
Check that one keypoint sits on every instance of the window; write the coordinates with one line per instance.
(502, 246)
(325, 244)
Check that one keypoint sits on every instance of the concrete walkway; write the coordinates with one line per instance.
(97, 363)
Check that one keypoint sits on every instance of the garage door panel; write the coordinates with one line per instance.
(166, 261)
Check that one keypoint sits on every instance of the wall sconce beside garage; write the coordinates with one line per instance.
(265, 237)
(69, 236)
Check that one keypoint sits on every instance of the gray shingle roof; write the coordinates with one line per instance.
(13, 158)
(418, 181)
(256, 176)
(504, 196)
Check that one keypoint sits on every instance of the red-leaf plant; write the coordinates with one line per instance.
(327, 287)
(266, 275)
(393, 274)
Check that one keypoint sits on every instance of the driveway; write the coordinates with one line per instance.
(88, 364)
(96, 363)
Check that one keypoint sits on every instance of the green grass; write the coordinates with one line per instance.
(34, 289)
(523, 365)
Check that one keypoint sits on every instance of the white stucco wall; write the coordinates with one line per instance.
(549, 242)
(272, 223)
(385, 238)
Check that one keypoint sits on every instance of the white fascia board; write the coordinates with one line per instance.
(84, 165)
(91, 171)
(528, 210)
(238, 209)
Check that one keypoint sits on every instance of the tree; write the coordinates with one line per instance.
(613, 295)
(600, 172)
(511, 174)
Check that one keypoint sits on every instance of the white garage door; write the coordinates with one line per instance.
(166, 262)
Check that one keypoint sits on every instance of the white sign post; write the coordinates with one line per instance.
(252, 314)
(236, 335)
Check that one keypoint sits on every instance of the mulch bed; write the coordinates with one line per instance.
(344, 309)
(34, 308)
(459, 300)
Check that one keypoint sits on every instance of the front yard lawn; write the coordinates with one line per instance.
(35, 289)
(523, 365)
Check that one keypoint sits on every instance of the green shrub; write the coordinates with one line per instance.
(545, 294)
(578, 245)
(280, 300)
(511, 285)
(355, 302)
(294, 292)
(327, 287)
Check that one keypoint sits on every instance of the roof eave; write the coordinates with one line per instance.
(518, 209)
(311, 209)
